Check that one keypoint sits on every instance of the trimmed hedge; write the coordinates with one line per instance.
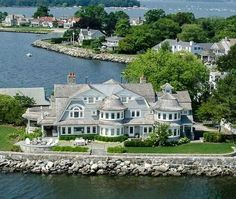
(111, 139)
(138, 143)
(73, 137)
(116, 149)
(70, 148)
(214, 137)
(59, 40)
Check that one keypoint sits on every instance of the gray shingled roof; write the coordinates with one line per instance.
(38, 94)
(112, 103)
(168, 103)
(145, 90)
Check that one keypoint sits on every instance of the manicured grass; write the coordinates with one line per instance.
(6, 143)
(190, 148)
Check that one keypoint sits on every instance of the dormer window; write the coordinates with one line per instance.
(77, 112)
(124, 99)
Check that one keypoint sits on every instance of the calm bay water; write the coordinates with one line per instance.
(46, 68)
(104, 187)
(200, 9)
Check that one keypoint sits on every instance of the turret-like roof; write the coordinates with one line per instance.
(112, 103)
(168, 103)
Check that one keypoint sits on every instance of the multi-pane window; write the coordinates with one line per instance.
(69, 130)
(164, 116)
(77, 112)
(170, 116)
(135, 113)
(88, 129)
(94, 129)
(175, 116)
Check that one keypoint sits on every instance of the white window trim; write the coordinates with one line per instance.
(135, 113)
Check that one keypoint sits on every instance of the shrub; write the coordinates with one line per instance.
(183, 140)
(16, 148)
(70, 148)
(116, 149)
(111, 139)
(58, 40)
(213, 137)
(138, 143)
(73, 137)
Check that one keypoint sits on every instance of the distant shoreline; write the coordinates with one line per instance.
(25, 30)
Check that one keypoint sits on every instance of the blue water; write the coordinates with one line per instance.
(20, 186)
(46, 68)
(199, 8)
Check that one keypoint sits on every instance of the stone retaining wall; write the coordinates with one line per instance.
(69, 163)
(83, 53)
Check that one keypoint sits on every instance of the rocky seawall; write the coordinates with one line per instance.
(83, 53)
(117, 165)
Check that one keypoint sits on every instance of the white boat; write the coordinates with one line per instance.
(29, 55)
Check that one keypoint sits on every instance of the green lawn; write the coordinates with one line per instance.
(5, 143)
(194, 148)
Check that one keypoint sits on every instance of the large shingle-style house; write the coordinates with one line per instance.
(201, 49)
(112, 109)
(89, 34)
(222, 47)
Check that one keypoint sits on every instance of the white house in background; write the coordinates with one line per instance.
(112, 42)
(136, 21)
(214, 77)
(69, 23)
(89, 34)
(222, 47)
(112, 109)
(38, 94)
(178, 45)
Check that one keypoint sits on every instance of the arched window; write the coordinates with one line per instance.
(77, 112)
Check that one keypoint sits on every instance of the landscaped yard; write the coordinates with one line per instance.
(194, 148)
(5, 143)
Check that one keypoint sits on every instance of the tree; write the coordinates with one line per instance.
(24, 101)
(3, 16)
(92, 17)
(122, 27)
(182, 70)
(10, 110)
(183, 18)
(154, 15)
(139, 40)
(192, 32)
(42, 11)
(167, 27)
(160, 134)
(227, 62)
(222, 103)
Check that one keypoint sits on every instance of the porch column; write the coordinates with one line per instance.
(28, 126)
(184, 131)
(192, 134)
(42, 130)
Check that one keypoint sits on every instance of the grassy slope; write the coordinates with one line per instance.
(5, 143)
(194, 148)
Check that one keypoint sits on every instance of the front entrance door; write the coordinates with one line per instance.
(131, 131)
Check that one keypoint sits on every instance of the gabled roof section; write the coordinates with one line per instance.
(112, 103)
(168, 103)
(145, 90)
(67, 90)
(111, 81)
(38, 94)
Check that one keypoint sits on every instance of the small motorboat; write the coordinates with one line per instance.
(29, 55)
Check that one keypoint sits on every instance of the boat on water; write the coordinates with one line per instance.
(29, 55)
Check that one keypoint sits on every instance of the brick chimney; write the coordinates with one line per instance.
(71, 78)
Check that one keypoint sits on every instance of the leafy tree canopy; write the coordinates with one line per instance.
(222, 103)
(228, 62)
(122, 27)
(192, 32)
(182, 70)
(3, 16)
(154, 15)
(42, 11)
